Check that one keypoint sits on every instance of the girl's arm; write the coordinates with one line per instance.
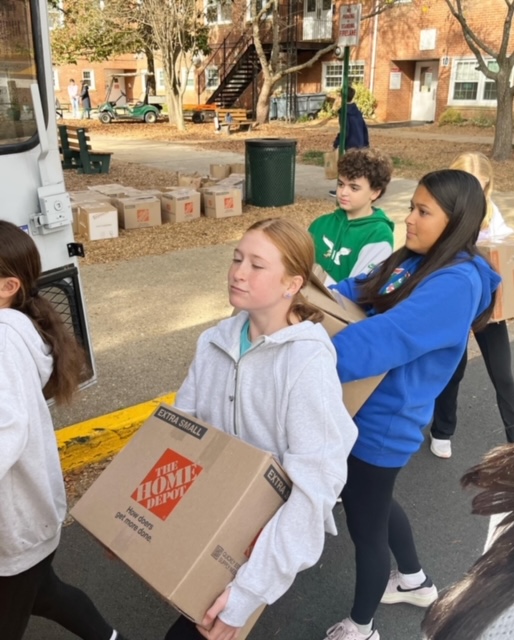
(13, 412)
(320, 436)
(437, 315)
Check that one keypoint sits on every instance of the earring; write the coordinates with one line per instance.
(287, 295)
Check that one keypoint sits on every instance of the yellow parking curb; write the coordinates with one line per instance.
(94, 440)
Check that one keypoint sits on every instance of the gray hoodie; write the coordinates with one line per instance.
(32, 496)
(283, 395)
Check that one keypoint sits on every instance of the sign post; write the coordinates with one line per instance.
(348, 35)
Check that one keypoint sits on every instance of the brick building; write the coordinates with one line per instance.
(413, 58)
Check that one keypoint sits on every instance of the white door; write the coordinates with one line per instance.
(317, 20)
(425, 89)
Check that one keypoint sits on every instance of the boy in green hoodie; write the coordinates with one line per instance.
(356, 236)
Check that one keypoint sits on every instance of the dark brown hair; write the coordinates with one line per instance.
(19, 258)
(297, 249)
(461, 197)
(371, 164)
(470, 606)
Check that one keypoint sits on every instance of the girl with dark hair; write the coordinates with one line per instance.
(39, 359)
(421, 303)
(268, 375)
(481, 605)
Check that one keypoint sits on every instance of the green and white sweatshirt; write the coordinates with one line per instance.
(346, 248)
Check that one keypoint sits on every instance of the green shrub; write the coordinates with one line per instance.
(451, 116)
(365, 100)
(483, 121)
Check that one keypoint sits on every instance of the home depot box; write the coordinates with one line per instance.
(191, 180)
(222, 202)
(87, 196)
(238, 167)
(97, 221)
(338, 314)
(180, 205)
(236, 180)
(112, 190)
(500, 254)
(182, 505)
(139, 211)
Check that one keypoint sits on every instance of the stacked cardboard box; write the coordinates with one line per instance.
(180, 205)
(136, 212)
(500, 254)
(222, 202)
(182, 505)
(97, 221)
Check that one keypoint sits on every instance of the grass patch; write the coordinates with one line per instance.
(314, 157)
(403, 163)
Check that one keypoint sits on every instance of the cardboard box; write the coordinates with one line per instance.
(238, 167)
(87, 196)
(190, 180)
(339, 313)
(330, 160)
(97, 221)
(180, 205)
(222, 202)
(138, 212)
(500, 254)
(219, 171)
(112, 190)
(236, 180)
(182, 505)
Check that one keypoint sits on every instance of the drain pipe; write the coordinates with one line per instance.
(374, 48)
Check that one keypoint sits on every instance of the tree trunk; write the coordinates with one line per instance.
(502, 147)
(263, 103)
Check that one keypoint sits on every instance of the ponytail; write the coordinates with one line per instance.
(304, 310)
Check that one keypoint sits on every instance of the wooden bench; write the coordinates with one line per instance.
(77, 153)
(235, 119)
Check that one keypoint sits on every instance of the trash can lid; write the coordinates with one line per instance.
(271, 142)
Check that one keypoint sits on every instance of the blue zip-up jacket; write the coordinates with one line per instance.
(419, 343)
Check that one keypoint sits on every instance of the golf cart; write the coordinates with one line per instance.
(142, 110)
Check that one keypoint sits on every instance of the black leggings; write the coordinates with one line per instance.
(377, 525)
(39, 592)
(183, 629)
(494, 345)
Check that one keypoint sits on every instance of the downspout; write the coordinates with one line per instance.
(374, 48)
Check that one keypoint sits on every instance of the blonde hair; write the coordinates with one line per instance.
(479, 166)
(297, 250)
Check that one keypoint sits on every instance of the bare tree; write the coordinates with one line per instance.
(268, 23)
(497, 49)
(179, 33)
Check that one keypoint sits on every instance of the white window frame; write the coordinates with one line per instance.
(91, 82)
(481, 79)
(353, 78)
(55, 75)
(189, 79)
(160, 84)
(220, 18)
(208, 86)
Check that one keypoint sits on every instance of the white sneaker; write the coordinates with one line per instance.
(397, 592)
(347, 630)
(440, 448)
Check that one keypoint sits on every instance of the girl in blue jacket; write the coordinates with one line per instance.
(421, 303)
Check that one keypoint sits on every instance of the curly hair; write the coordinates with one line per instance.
(371, 164)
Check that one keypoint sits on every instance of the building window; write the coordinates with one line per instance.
(468, 85)
(333, 74)
(88, 77)
(55, 74)
(218, 11)
(188, 79)
(260, 3)
(212, 77)
(160, 84)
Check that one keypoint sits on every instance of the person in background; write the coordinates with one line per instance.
(417, 345)
(73, 93)
(480, 606)
(86, 101)
(493, 339)
(357, 236)
(39, 359)
(274, 348)
(357, 136)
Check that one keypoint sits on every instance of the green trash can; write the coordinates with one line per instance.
(270, 171)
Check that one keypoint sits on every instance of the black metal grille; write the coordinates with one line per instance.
(61, 288)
